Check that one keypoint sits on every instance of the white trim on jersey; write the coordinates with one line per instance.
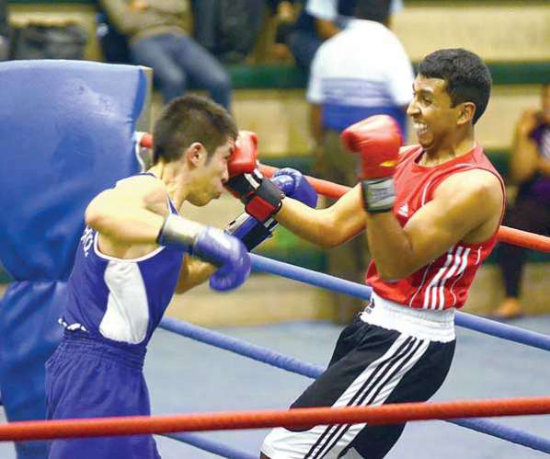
(134, 260)
(434, 295)
(430, 295)
(126, 315)
(419, 289)
(448, 276)
(425, 191)
(371, 387)
(478, 256)
(463, 270)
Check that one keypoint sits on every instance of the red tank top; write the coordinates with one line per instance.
(443, 283)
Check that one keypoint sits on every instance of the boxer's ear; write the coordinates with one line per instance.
(195, 154)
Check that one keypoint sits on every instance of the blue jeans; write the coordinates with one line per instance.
(178, 60)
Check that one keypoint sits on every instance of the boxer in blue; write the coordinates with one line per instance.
(135, 252)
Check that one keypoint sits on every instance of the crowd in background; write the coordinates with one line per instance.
(192, 42)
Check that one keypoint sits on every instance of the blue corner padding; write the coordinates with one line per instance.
(66, 130)
(30, 334)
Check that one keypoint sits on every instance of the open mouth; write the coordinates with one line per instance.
(420, 128)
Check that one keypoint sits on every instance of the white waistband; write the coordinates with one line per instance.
(420, 323)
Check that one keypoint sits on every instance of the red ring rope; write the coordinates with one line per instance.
(333, 190)
(302, 418)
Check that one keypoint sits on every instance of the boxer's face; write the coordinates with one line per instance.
(434, 118)
(212, 174)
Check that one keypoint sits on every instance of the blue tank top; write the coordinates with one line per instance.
(121, 300)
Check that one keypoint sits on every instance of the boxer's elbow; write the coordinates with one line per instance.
(93, 217)
(333, 234)
(98, 214)
(327, 239)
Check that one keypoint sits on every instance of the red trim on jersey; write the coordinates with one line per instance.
(443, 283)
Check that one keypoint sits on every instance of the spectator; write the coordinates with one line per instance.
(360, 72)
(158, 39)
(311, 29)
(318, 21)
(4, 30)
(228, 28)
(530, 169)
(285, 14)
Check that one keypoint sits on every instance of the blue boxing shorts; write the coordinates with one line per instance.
(89, 377)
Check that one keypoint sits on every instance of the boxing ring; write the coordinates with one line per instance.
(216, 421)
(45, 274)
(464, 413)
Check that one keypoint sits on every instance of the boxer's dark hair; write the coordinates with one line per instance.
(467, 77)
(190, 119)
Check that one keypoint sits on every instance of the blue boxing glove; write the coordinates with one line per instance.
(293, 183)
(209, 244)
(252, 232)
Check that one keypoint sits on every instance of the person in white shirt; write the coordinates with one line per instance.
(318, 21)
(362, 71)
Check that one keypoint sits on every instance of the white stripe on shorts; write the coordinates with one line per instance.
(371, 387)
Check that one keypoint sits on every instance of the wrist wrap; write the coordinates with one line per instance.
(178, 232)
(378, 195)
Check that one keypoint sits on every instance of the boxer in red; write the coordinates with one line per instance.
(431, 212)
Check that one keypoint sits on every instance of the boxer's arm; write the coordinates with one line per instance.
(325, 227)
(130, 213)
(253, 232)
(466, 207)
(193, 272)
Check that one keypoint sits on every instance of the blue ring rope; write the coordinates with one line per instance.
(505, 432)
(489, 327)
(293, 365)
(480, 425)
(209, 445)
(259, 353)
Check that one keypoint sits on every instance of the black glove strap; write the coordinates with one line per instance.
(251, 235)
(245, 184)
(265, 202)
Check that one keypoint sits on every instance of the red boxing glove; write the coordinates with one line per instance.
(377, 139)
(245, 155)
(262, 199)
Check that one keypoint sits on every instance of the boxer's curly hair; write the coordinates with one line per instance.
(468, 78)
(191, 119)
